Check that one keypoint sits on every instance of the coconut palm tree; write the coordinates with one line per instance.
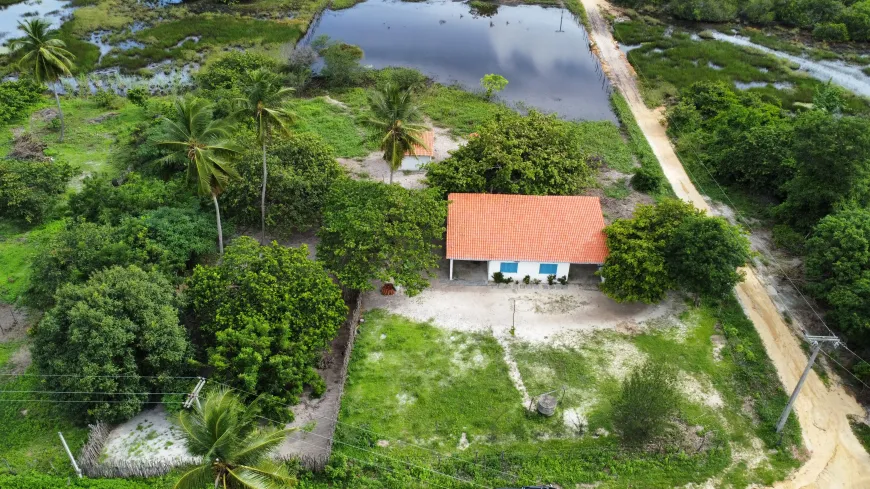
(263, 98)
(234, 450)
(202, 144)
(396, 118)
(44, 55)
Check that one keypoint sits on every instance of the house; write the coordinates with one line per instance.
(421, 154)
(521, 235)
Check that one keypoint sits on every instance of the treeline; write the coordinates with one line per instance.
(814, 166)
(832, 20)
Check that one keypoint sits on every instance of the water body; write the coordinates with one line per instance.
(845, 75)
(542, 52)
(52, 10)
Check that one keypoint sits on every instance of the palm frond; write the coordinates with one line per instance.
(196, 478)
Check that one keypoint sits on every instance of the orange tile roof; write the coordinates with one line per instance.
(525, 228)
(428, 149)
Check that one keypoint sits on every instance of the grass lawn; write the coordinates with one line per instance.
(18, 246)
(336, 125)
(28, 431)
(451, 392)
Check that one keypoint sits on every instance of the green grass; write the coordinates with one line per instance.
(17, 249)
(631, 33)
(164, 40)
(334, 124)
(457, 109)
(28, 430)
(862, 432)
(88, 142)
(603, 139)
(637, 141)
(9, 2)
(618, 189)
(425, 386)
(343, 4)
(866, 71)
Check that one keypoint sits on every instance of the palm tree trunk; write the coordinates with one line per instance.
(391, 174)
(59, 110)
(263, 196)
(217, 211)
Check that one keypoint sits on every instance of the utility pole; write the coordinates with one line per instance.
(194, 396)
(816, 342)
(71, 458)
(560, 20)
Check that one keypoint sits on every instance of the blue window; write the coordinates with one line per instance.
(509, 267)
(548, 269)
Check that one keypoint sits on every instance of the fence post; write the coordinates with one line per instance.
(71, 458)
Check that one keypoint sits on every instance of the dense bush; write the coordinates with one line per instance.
(119, 334)
(373, 231)
(16, 97)
(671, 246)
(167, 240)
(704, 10)
(341, 62)
(833, 167)
(653, 386)
(264, 315)
(857, 20)
(513, 154)
(45, 481)
(646, 179)
(29, 189)
(831, 32)
(101, 200)
(233, 70)
(838, 268)
(302, 168)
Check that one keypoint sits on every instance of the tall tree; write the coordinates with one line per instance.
(396, 117)
(262, 101)
(45, 55)
(265, 313)
(233, 448)
(372, 231)
(202, 144)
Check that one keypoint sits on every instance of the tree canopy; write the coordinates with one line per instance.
(117, 333)
(30, 189)
(302, 168)
(264, 314)
(669, 246)
(513, 154)
(838, 268)
(373, 231)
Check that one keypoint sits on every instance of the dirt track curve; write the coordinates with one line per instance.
(837, 459)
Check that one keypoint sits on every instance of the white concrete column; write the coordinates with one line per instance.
(451, 269)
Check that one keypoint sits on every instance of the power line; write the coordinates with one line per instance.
(94, 392)
(99, 376)
(87, 402)
(844, 368)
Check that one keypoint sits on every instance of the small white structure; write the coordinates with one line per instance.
(525, 235)
(413, 160)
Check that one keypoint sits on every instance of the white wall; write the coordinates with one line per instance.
(529, 268)
(413, 162)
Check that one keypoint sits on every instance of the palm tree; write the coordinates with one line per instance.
(202, 144)
(234, 450)
(45, 55)
(396, 118)
(264, 97)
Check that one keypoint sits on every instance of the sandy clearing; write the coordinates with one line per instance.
(148, 436)
(837, 459)
(542, 316)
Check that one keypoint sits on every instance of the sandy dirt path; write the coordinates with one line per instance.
(837, 459)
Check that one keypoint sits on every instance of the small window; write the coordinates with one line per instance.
(509, 267)
(548, 269)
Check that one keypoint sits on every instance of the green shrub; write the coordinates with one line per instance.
(857, 20)
(16, 97)
(101, 200)
(138, 96)
(115, 335)
(831, 32)
(107, 99)
(704, 10)
(45, 481)
(647, 401)
(233, 70)
(788, 239)
(404, 78)
(646, 179)
(30, 189)
(341, 64)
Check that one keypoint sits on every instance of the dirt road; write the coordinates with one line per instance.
(837, 459)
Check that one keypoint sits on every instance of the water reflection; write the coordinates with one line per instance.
(543, 52)
(51, 10)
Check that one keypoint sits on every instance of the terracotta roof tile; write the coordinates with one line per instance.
(428, 138)
(525, 228)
